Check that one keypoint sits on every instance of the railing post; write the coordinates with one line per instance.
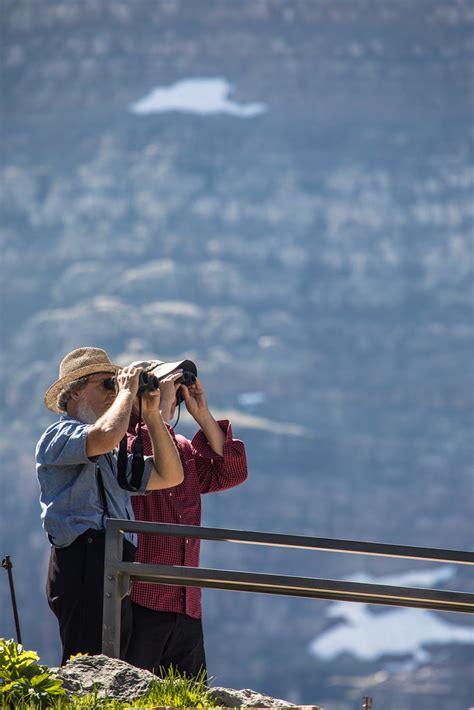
(367, 703)
(111, 620)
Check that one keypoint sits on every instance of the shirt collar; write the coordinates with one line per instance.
(68, 417)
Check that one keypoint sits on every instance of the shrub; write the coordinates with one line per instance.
(23, 681)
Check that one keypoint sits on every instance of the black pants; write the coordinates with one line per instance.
(161, 639)
(75, 589)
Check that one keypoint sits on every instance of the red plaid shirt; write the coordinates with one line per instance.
(204, 472)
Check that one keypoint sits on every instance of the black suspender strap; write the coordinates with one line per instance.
(103, 497)
(122, 461)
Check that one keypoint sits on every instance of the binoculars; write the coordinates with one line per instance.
(147, 382)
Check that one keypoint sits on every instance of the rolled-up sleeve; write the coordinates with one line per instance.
(217, 473)
(66, 445)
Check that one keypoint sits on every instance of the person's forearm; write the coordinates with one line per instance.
(213, 433)
(165, 409)
(168, 470)
(106, 433)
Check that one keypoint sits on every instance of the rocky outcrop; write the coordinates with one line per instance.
(108, 677)
(118, 680)
(246, 698)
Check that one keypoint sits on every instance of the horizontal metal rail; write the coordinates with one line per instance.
(324, 544)
(300, 586)
(118, 574)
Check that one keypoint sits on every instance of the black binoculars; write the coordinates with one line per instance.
(147, 382)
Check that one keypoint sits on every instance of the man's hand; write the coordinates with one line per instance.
(195, 401)
(168, 389)
(151, 404)
(127, 379)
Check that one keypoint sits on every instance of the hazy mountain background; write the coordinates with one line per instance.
(307, 239)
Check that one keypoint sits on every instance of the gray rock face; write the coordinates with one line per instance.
(246, 698)
(118, 680)
(109, 677)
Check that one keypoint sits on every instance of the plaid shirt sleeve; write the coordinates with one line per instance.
(217, 473)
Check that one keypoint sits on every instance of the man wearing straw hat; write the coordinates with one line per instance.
(77, 474)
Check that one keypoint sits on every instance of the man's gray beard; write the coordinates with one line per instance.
(86, 414)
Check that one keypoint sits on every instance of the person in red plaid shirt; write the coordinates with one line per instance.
(167, 626)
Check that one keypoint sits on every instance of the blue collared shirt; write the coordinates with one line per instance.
(69, 491)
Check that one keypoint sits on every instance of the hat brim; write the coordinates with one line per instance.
(52, 394)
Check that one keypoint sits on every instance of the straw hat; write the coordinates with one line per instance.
(76, 364)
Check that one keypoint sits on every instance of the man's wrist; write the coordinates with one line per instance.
(152, 418)
(165, 410)
(125, 395)
(205, 418)
(166, 404)
(124, 388)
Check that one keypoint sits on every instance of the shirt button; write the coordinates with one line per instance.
(89, 539)
(187, 542)
(171, 494)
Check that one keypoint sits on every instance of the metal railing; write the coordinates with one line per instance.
(119, 574)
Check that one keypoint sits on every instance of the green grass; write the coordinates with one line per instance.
(175, 690)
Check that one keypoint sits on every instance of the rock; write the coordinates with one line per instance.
(246, 698)
(117, 680)
(109, 677)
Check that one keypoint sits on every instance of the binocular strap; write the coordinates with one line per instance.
(138, 461)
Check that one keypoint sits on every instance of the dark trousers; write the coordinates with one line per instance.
(75, 589)
(161, 639)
